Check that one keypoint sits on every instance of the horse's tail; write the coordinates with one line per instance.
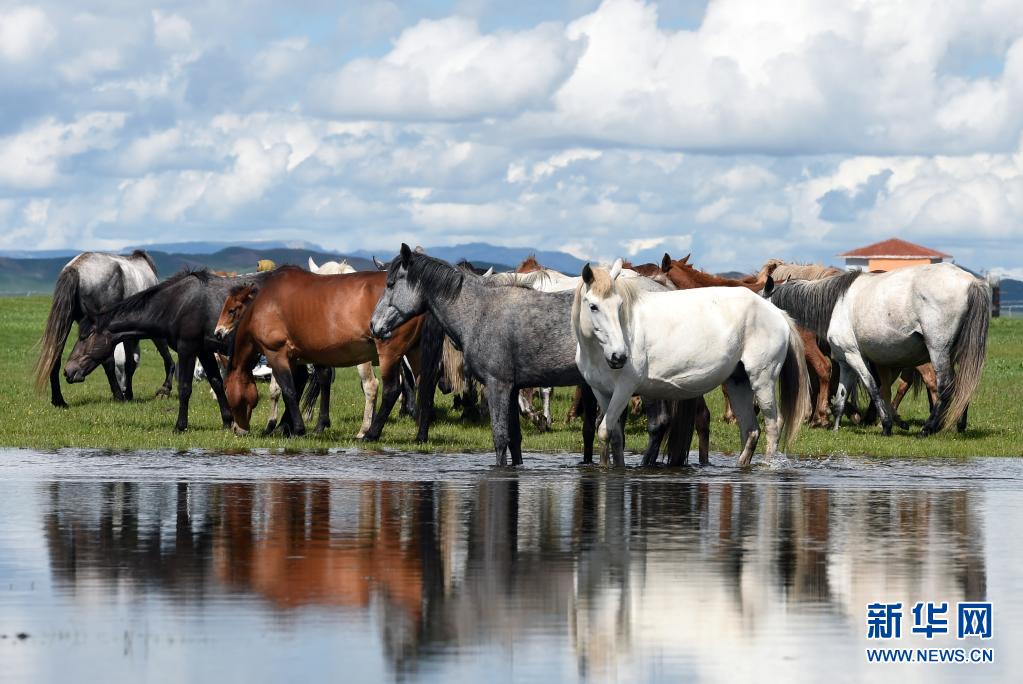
(794, 400)
(63, 312)
(969, 351)
(453, 371)
(313, 388)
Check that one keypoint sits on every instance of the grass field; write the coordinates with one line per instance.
(94, 420)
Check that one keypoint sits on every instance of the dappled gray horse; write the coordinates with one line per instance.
(511, 337)
(88, 284)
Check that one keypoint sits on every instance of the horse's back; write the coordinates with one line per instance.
(105, 279)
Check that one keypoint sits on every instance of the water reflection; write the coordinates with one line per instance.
(608, 568)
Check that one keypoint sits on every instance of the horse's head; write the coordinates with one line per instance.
(237, 302)
(403, 297)
(94, 346)
(601, 305)
(242, 397)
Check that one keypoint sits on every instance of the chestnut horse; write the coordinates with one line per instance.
(684, 276)
(299, 318)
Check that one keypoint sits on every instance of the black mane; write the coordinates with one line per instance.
(433, 275)
(811, 302)
(140, 300)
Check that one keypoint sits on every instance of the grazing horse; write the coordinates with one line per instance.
(300, 317)
(631, 341)
(182, 310)
(684, 276)
(781, 270)
(899, 319)
(88, 284)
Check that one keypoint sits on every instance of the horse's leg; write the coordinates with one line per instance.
(576, 408)
(325, 378)
(763, 389)
(742, 404)
(186, 367)
(291, 422)
(369, 391)
(275, 400)
(610, 426)
(390, 368)
(209, 364)
(602, 400)
(588, 407)
(846, 380)
(546, 393)
(905, 383)
(514, 431)
(859, 365)
(821, 368)
(408, 390)
(729, 415)
(164, 390)
(702, 426)
(130, 350)
(885, 377)
(658, 419)
(111, 371)
(502, 405)
(961, 423)
(944, 378)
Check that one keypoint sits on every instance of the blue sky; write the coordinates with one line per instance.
(737, 129)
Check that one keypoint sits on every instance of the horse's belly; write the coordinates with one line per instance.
(687, 385)
(908, 352)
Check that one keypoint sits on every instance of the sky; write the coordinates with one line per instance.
(735, 129)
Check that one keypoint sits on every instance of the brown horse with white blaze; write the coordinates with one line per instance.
(300, 317)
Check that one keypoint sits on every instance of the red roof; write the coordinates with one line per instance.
(895, 249)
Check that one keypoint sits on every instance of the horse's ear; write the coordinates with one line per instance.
(253, 291)
(769, 286)
(381, 266)
(420, 250)
(489, 272)
(666, 262)
(406, 255)
(587, 274)
(616, 269)
(685, 259)
(312, 265)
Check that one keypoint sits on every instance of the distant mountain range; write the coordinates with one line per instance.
(484, 255)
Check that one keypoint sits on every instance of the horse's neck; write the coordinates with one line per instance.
(151, 319)
(457, 314)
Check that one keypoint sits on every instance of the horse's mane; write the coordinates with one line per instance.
(531, 263)
(524, 280)
(140, 300)
(799, 271)
(426, 272)
(467, 266)
(144, 255)
(627, 288)
(812, 302)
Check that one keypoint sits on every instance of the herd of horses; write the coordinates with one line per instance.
(790, 343)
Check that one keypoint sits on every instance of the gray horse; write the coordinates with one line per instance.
(88, 284)
(511, 337)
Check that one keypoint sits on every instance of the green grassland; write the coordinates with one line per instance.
(94, 420)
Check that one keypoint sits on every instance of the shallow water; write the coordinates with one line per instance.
(354, 566)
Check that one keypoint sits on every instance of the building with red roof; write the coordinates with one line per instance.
(891, 254)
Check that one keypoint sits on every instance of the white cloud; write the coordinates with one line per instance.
(446, 69)
(33, 157)
(171, 31)
(25, 33)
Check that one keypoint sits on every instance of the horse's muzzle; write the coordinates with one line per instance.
(617, 361)
(220, 334)
(74, 376)
(380, 334)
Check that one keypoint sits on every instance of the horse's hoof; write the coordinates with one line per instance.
(60, 404)
(178, 429)
(238, 430)
(903, 425)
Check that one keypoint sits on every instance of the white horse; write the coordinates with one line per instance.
(900, 319)
(369, 380)
(682, 344)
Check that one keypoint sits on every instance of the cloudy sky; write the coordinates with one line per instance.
(738, 129)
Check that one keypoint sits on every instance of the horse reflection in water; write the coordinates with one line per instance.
(616, 567)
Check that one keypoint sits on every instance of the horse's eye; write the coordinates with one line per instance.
(593, 308)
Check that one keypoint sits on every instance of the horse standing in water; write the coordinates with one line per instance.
(299, 318)
(88, 284)
(182, 310)
(632, 342)
(899, 319)
(685, 277)
(511, 336)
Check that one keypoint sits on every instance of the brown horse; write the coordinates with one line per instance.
(684, 276)
(300, 317)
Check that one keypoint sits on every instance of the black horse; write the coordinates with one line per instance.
(183, 310)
